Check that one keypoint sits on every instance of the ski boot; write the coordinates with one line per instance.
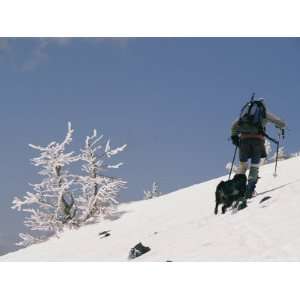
(250, 190)
(243, 204)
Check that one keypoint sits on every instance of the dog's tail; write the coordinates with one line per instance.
(217, 203)
(216, 209)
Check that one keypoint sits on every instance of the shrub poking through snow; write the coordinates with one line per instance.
(153, 193)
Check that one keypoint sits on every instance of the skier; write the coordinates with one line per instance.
(248, 133)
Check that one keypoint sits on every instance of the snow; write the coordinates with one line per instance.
(181, 226)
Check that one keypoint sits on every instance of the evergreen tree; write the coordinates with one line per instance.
(64, 199)
(51, 204)
(282, 154)
(153, 193)
(98, 192)
(228, 167)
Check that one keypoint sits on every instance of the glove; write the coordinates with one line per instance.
(235, 140)
(281, 131)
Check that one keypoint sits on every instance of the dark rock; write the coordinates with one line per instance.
(138, 251)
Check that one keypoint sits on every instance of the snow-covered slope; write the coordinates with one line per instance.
(181, 226)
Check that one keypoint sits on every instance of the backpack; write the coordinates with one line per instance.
(253, 114)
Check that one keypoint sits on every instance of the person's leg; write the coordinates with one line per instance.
(252, 180)
(243, 167)
(254, 168)
(244, 156)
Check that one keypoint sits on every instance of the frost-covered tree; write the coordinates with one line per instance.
(64, 199)
(228, 167)
(27, 240)
(268, 148)
(282, 154)
(51, 204)
(153, 193)
(295, 154)
(98, 191)
(155, 190)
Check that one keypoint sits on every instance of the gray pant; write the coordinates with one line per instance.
(253, 149)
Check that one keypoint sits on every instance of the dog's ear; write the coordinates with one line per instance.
(220, 185)
(240, 178)
(243, 179)
(237, 177)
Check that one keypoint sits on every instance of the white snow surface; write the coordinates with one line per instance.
(181, 226)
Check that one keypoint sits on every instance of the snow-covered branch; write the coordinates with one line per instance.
(98, 191)
(65, 199)
(229, 165)
(28, 240)
(51, 204)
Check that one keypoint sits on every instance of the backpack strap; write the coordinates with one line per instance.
(246, 110)
(243, 108)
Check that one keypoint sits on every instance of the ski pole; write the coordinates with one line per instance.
(283, 133)
(280, 134)
(277, 152)
(233, 160)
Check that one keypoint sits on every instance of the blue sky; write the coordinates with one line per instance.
(171, 100)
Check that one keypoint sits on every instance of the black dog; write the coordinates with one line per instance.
(230, 192)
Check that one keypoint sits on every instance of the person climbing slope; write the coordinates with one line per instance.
(248, 133)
